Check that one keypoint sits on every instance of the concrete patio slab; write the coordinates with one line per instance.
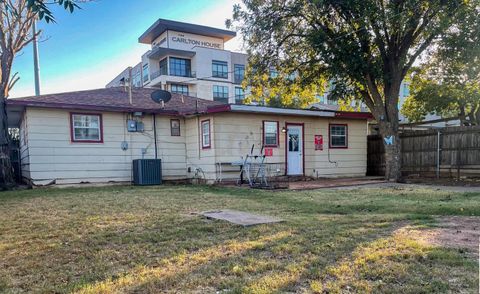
(240, 217)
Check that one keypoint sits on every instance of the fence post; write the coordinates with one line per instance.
(438, 154)
(459, 156)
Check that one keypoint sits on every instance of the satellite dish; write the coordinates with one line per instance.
(160, 96)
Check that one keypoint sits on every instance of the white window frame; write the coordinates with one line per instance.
(206, 134)
(274, 124)
(99, 127)
(331, 135)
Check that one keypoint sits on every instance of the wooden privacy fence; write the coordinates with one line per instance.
(446, 152)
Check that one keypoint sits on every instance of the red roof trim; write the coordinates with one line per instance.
(358, 115)
(219, 108)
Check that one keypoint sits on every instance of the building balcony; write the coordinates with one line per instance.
(156, 74)
(158, 78)
(159, 53)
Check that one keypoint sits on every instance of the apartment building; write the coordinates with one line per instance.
(189, 59)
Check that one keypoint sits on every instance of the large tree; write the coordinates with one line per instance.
(16, 20)
(449, 83)
(364, 47)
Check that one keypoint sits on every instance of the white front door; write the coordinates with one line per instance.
(294, 150)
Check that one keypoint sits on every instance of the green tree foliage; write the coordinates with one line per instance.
(366, 47)
(42, 10)
(449, 83)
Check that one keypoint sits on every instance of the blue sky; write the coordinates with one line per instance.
(86, 49)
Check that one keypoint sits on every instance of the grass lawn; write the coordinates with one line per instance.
(150, 240)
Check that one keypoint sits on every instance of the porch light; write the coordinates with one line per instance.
(284, 130)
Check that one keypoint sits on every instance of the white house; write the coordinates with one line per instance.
(84, 137)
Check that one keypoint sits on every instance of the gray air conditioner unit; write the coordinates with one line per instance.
(147, 172)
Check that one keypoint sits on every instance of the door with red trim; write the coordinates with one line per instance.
(295, 150)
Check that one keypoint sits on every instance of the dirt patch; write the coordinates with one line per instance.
(459, 232)
(452, 231)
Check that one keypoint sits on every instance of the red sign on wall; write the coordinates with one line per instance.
(268, 151)
(318, 142)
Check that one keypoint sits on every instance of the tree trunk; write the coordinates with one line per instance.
(6, 169)
(389, 129)
(7, 180)
(392, 153)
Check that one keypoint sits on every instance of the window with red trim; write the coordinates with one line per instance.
(270, 133)
(86, 127)
(206, 139)
(338, 136)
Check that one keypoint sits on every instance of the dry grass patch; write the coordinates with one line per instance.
(148, 240)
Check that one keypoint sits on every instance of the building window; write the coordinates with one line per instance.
(270, 133)
(175, 127)
(86, 127)
(145, 72)
(206, 134)
(338, 136)
(238, 73)
(180, 67)
(219, 69)
(137, 81)
(179, 89)
(239, 95)
(220, 93)
(163, 66)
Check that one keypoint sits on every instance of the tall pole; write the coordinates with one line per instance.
(36, 66)
(130, 84)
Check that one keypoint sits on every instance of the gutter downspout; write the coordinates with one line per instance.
(155, 134)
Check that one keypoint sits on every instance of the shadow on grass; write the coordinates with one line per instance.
(271, 262)
(178, 265)
(405, 262)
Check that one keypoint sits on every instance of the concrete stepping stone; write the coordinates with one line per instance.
(240, 217)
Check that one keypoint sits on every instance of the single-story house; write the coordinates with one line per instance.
(93, 136)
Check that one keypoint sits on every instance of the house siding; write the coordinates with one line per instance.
(24, 152)
(235, 133)
(200, 161)
(48, 153)
(53, 156)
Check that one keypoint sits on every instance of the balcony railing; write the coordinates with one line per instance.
(156, 74)
(191, 94)
(223, 100)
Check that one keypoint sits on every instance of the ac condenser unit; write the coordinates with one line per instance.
(147, 172)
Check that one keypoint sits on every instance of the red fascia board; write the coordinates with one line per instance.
(357, 115)
(91, 107)
(218, 108)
